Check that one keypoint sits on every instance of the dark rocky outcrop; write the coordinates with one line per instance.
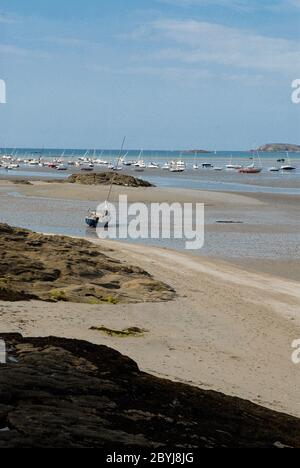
(65, 393)
(58, 268)
(105, 178)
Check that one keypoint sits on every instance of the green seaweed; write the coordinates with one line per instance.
(58, 295)
(126, 333)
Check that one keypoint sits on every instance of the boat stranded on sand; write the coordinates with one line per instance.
(102, 218)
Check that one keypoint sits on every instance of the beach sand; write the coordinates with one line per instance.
(231, 325)
(227, 330)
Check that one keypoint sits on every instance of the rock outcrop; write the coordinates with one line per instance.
(65, 394)
(58, 268)
(105, 178)
(279, 147)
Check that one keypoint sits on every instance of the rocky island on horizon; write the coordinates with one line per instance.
(279, 147)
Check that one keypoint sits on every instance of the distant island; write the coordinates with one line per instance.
(197, 151)
(279, 147)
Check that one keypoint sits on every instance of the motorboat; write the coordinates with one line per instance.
(288, 167)
(153, 166)
(62, 167)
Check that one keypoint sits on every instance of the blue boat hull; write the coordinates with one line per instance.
(92, 222)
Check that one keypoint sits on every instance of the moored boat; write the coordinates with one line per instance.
(250, 170)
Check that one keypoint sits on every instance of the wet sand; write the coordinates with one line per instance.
(265, 235)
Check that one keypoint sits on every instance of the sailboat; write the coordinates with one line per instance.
(195, 165)
(233, 167)
(102, 218)
(140, 165)
(252, 169)
(288, 167)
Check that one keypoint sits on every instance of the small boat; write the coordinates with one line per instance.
(177, 166)
(62, 167)
(218, 168)
(34, 162)
(95, 219)
(250, 170)
(166, 167)
(288, 167)
(233, 167)
(102, 218)
(181, 165)
(274, 169)
(196, 165)
(153, 166)
(140, 166)
(87, 167)
(207, 166)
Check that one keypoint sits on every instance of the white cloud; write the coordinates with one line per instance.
(245, 5)
(21, 53)
(196, 42)
(8, 19)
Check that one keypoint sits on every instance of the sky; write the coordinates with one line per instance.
(168, 74)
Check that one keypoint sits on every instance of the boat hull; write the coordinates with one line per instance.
(250, 171)
(92, 222)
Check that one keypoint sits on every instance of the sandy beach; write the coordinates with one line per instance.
(231, 325)
(227, 330)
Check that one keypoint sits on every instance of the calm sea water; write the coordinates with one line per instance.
(202, 179)
(148, 155)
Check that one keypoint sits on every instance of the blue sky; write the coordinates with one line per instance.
(169, 74)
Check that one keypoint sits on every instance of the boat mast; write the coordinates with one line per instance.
(114, 176)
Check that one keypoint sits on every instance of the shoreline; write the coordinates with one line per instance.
(227, 329)
(265, 237)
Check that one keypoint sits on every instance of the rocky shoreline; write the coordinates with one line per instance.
(63, 269)
(58, 393)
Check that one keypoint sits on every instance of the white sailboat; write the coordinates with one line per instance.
(288, 167)
(233, 167)
(140, 165)
(102, 218)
